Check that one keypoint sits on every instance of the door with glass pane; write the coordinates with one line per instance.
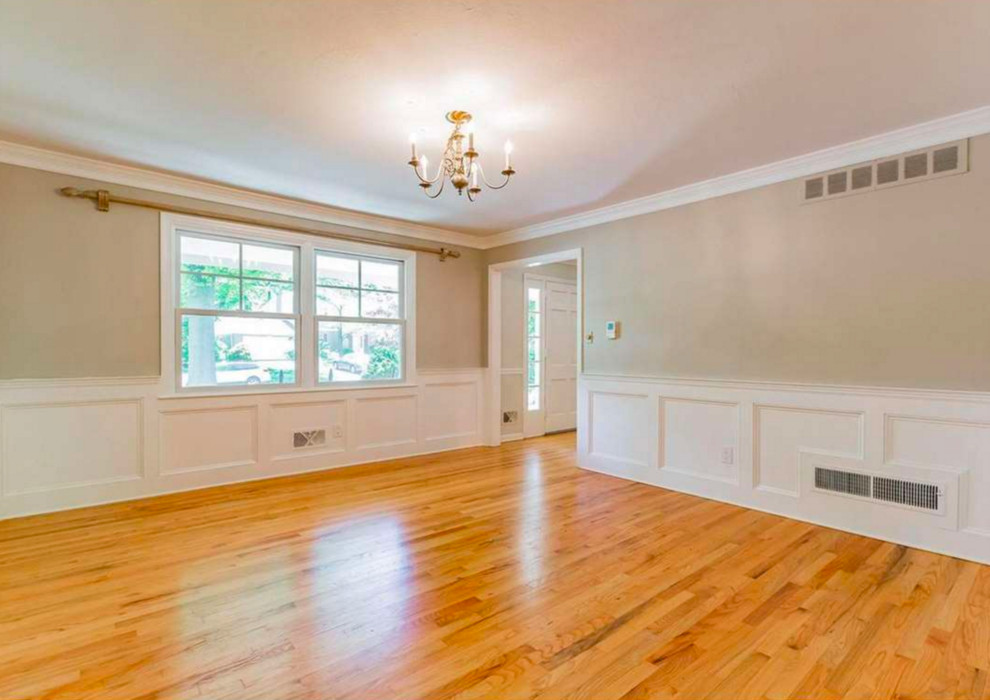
(534, 397)
(560, 340)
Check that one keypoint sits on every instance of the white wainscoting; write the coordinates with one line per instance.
(675, 434)
(71, 443)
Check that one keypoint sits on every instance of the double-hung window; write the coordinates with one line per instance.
(360, 326)
(267, 309)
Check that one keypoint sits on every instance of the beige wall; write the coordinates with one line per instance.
(887, 288)
(79, 288)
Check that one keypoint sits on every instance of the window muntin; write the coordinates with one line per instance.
(360, 318)
(236, 311)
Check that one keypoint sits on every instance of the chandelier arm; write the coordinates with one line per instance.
(439, 191)
(490, 185)
(426, 180)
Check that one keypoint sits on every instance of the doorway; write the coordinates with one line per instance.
(550, 354)
(534, 346)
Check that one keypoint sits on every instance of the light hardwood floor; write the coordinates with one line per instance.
(503, 573)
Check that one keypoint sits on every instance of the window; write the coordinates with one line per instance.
(359, 317)
(533, 337)
(266, 309)
(237, 312)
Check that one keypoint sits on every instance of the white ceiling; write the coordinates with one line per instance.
(606, 101)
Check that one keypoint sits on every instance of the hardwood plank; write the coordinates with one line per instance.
(479, 573)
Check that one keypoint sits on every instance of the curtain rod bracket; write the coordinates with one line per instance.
(103, 199)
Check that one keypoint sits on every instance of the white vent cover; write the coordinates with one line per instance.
(309, 438)
(938, 161)
(917, 495)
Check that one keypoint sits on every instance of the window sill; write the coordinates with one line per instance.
(232, 393)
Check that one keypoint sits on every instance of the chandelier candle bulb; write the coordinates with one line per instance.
(412, 142)
(426, 164)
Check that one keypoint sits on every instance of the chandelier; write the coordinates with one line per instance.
(457, 164)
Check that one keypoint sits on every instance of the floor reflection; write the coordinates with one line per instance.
(362, 581)
(532, 534)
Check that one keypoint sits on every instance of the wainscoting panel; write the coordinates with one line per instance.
(385, 421)
(674, 433)
(953, 445)
(201, 439)
(58, 445)
(782, 432)
(65, 444)
(451, 409)
(286, 419)
(619, 426)
(700, 438)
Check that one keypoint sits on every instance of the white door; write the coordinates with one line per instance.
(561, 357)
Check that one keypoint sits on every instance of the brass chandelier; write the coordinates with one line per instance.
(458, 164)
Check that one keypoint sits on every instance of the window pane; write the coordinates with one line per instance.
(267, 295)
(351, 352)
(533, 324)
(336, 272)
(533, 376)
(336, 302)
(533, 398)
(379, 275)
(380, 304)
(208, 255)
(533, 299)
(209, 292)
(224, 351)
(269, 262)
(534, 350)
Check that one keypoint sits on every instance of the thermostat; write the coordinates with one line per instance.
(611, 330)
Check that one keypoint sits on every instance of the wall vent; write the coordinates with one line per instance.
(939, 161)
(906, 493)
(842, 482)
(309, 438)
(916, 495)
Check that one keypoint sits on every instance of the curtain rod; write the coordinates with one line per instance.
(103, 198)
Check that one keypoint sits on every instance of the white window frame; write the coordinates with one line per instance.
(172, 225)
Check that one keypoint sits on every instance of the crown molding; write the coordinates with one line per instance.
(143, 178)
(924, 135)
(952, 128)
